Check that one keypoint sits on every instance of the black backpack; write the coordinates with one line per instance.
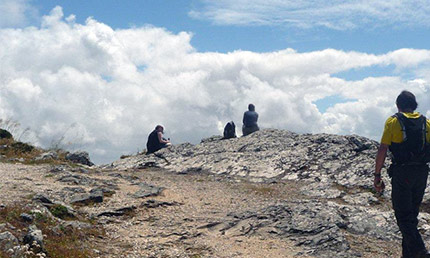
(414, 149)
(229, 130)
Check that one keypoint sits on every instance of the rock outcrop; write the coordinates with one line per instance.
(321, 159)
(81, 157)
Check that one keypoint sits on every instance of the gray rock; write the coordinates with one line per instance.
(117, 212)
(42, 199)
(58, 169)
(80, 157)
(7, 241)
(34, 238)
(147, 190)
(105, 190)
(76, 179)
(156, 204)
(85, 199)
(26, 217)
(316, 226)
(51, 155)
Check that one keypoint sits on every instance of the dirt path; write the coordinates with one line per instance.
(197, 200)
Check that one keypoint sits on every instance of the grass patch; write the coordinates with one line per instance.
(60, 211)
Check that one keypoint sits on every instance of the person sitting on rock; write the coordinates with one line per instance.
(250, 119)
(156, 141)
(407, 136)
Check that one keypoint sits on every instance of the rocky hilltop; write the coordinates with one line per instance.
(273, 193)
(337, 173)
(270, 153)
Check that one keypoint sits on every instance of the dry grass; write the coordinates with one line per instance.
(13, 150)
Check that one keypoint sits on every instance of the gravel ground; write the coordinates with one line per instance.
(179, 226)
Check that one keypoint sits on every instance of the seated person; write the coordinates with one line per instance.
(250, 119)
(156, 141)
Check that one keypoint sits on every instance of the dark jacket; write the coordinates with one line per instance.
(153, 143)
(250, 119)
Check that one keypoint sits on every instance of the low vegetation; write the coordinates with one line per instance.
(16, 151)
(59, 240)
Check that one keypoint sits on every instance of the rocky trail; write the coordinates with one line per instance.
(273, 194)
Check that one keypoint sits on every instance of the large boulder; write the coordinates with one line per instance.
(81, 157)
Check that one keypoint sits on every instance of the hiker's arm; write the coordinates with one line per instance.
(380, 157)
(378, 183)
(160, 138)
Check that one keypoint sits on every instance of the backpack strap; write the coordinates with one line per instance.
(425, 129)
(400, 118)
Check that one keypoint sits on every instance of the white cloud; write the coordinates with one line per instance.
(333, 14)
(103, 90)
(16, 13)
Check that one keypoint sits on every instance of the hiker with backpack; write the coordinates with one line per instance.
(250, 119)
(156, 141)
(407, 136)
(229, 130)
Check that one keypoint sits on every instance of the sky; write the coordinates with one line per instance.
(100, 75)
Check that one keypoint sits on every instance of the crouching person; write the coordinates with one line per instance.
(156, 141)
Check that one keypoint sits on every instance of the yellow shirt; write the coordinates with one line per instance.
(393, 130)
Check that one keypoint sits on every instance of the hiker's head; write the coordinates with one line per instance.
(251, 107)
(159, 128)
(406, 101)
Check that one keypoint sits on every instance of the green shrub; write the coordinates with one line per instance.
(60, 211)
(4, 134)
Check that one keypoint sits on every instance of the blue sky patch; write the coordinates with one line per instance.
(327, 102)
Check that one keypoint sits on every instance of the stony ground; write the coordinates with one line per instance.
(195, 215)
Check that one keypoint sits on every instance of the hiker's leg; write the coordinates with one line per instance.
(408, 190)
(420, 177)
(401, 197)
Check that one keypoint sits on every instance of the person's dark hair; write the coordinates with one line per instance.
(251, 107)
(406, 101)
(158, 126)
